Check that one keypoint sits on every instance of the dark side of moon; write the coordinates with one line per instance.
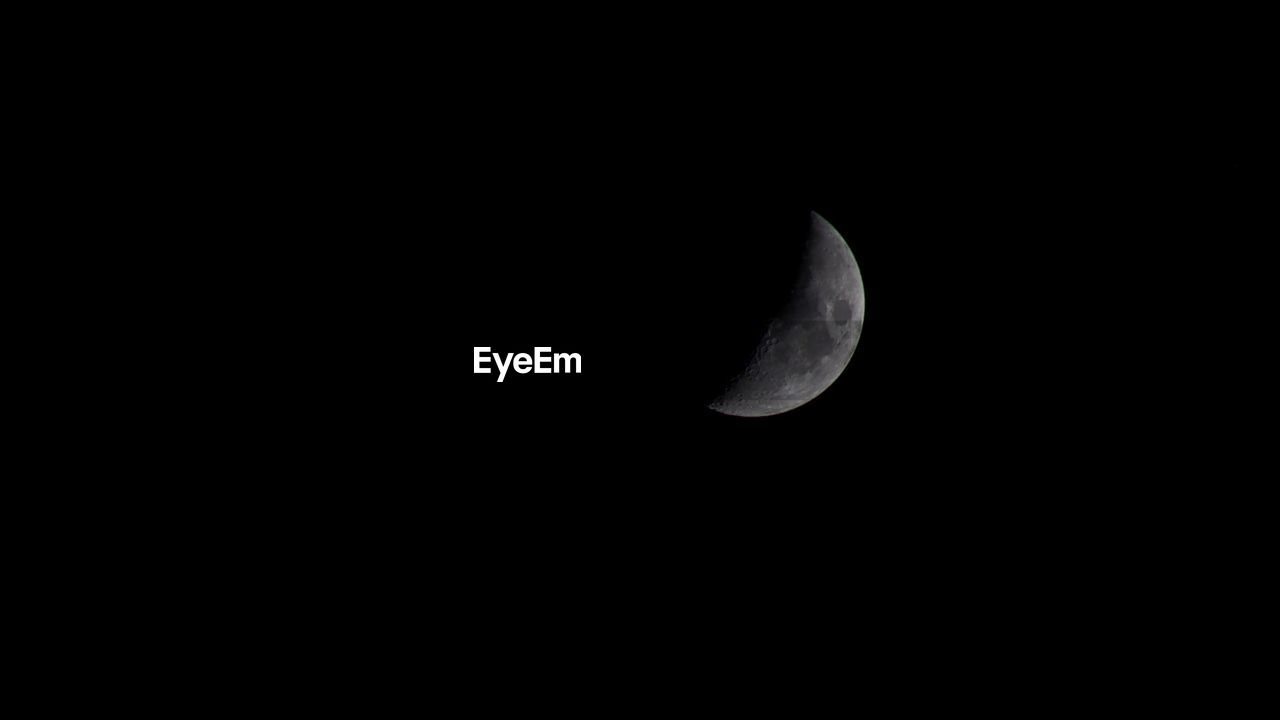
(809, 342)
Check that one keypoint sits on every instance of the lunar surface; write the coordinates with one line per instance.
(809, 343)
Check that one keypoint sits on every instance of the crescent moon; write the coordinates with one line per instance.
(810, 341)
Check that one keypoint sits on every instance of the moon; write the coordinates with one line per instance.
(810, 341)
